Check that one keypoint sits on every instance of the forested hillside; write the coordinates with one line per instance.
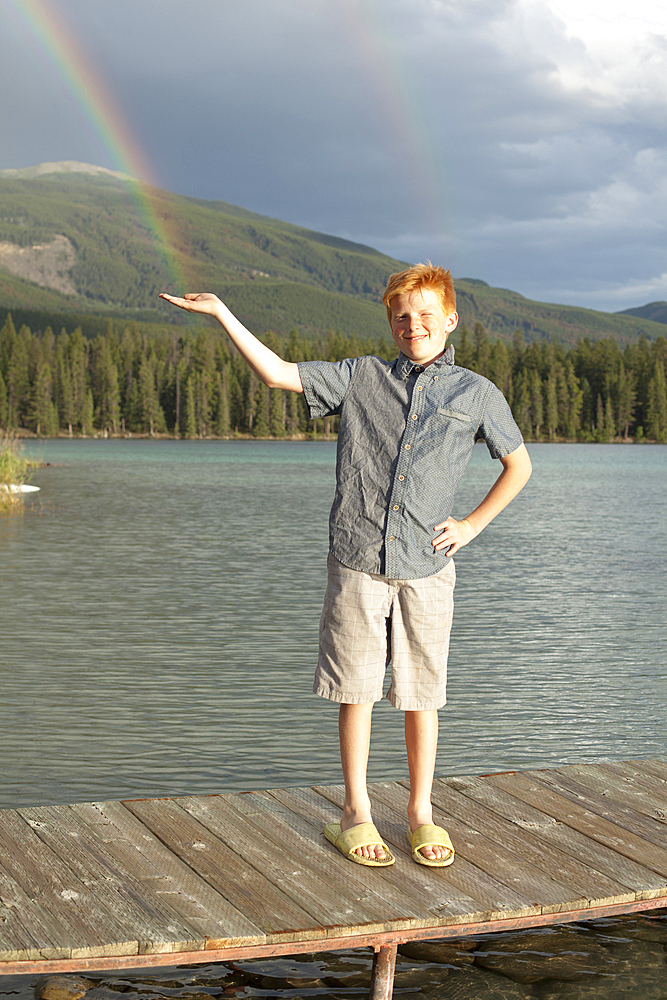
(190, 384)
(655, 311)
(76, 242)
(274, 275)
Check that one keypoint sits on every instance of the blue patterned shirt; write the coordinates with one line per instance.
(405, 439)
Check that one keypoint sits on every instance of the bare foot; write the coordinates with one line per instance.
(353, 817)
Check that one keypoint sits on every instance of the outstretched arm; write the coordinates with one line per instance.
(516, 473)
(272, 370)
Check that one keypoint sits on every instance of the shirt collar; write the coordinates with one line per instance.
(403, 366)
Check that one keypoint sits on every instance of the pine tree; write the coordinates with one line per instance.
(482, 350)
(87, 413)
(7, 340)
(609, 422)
(222, 406)
(77, 365)
(190, 408)
(18, 381)
(656, 411)
(464, 355)
(625, 401)
(521, 408)
(297, 417)
(105, 383)
(604, 420)
(260, 426)
(500, 368)
(3, 403)
(551, 410)
(148, 399)
(571, 403)
(599, 420)
(536, 403)
(277, 413)
(44, 417)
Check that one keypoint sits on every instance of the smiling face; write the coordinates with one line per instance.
(419, 325)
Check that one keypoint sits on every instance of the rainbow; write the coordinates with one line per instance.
(406, 127)
(58, 42)
(404, 110)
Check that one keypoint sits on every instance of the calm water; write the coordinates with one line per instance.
(159, 603)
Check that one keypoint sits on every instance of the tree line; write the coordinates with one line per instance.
(193, 384)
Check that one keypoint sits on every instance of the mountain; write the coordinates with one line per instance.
(655, 311)
(80, 240)
(503, 312)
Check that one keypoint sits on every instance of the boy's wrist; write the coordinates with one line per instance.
(473, 528)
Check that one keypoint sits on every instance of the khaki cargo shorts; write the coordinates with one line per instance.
(370, 621)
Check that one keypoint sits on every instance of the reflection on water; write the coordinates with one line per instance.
(159, 604)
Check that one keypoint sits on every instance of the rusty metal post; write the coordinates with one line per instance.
(382, 977)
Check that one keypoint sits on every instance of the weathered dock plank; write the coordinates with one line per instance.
(482, 848)
(325, 899)
(540, 824)
(654, 767)
(572, 875)
(288, 816)
(210, 878)
(146, 859)
(634, 774)
(113, 887)
(574, 809)
(243, 885)
(634, 822)
(622, 789)
(80, 922)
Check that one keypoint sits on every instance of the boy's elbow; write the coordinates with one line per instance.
(519, 463)
(286, 376)
(527, 464)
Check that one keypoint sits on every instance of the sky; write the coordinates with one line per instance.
(522, 142)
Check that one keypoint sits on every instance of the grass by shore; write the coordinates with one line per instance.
(15, 471)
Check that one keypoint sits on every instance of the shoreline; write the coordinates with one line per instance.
(27, 435)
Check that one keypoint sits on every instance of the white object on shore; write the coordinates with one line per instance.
(13, 488)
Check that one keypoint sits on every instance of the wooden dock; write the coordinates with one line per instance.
(161, 882)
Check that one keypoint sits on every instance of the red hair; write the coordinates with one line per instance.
(422, 276)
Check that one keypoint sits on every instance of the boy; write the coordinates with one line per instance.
(407, 430)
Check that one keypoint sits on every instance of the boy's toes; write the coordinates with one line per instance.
(375, 852)
(434, 852)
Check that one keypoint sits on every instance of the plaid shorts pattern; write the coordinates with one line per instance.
(369, 621)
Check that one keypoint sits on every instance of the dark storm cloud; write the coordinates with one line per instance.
(478, 132)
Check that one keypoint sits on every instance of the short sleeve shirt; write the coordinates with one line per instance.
(405, 439)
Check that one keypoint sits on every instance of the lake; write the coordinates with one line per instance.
(159, 603)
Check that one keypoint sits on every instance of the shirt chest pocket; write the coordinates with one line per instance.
(464, 418)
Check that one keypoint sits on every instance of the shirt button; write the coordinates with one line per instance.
(435, 378)
(407, 447)
(420, 387)
(401, 478)
(391, 538)
(395, 506)
(414, 416)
